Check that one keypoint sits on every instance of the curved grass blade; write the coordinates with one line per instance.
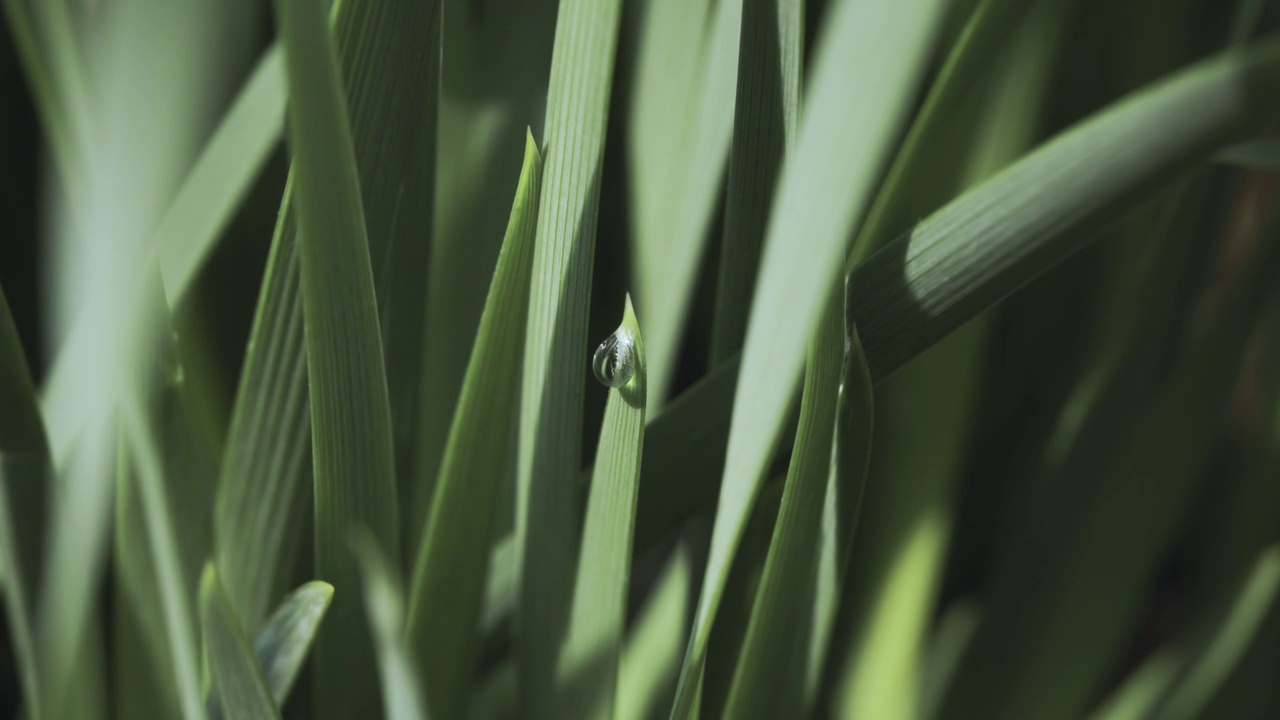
(764, 125)
(651, 659)
(453, 558)
(772, 677)
(221, 176)
(384, 603)
(999, 235)
(179, 616)
(240, 686)
(24, 480)
(851, 113)
(352, 450)
(281, 647)
(1177, 682)
(389, 58)
(147, 62)
(1057, 635)
(1256, 155)
(555, 341)
(919, 179)
(679, 159)
(588, 674)
(193, 223)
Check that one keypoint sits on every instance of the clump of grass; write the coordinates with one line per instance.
(937, 342)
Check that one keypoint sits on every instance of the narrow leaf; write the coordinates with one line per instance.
(655, 644)
(221, 176)
(1178, 681)
(680, 161)
(1142, 493)
(240, 686)
(771, 678)
(555, 340)
(267, 468)
(384, 603)
(764, 125)
(351, 418)
(24, 471)
(588, 674)
(453, 558)
(999, 235)
(852, 111)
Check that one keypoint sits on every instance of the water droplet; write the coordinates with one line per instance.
(614, 362)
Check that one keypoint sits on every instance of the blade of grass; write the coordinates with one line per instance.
(999, 235)
(221, 176)
(452, 560)
(22, 30)
(587, 677)
(680, 163)
(1193, 692)
(1255, 154)
(1178, 681)
(352, 451)
(1086, 578)
(846, 125)
(655, 644)
(24, 479)
(384, 603)
(772, 674)
(917, 181)
(281, 647)
(764, 126)
(187, 484)
(555, 341)
(925, 413)
(179, 625)
(267, 466)
(147, 62)
(241, 688)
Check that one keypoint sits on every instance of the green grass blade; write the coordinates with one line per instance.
(387, 58)
(925, 413)
(764, 125)
(1057, 636)
(162, 538)
(265, 482)
(847, 123)
(240, 686)
(841, 508)
(352, 450)
(1255, 154)
(450, 570)
(224, 172)
(1178, 681)
(147, 62)
(24, 480)
(1210, 669)
(22, 30)
(384, 602)
(588, 674)
(680, 162)
(655, 644)
(555, 340)
(919, 179)
(282, 646)
(922, 418)
(772, 674)
(999, 235)
(157, 566)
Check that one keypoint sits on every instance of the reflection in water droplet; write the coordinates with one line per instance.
(614, 362)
